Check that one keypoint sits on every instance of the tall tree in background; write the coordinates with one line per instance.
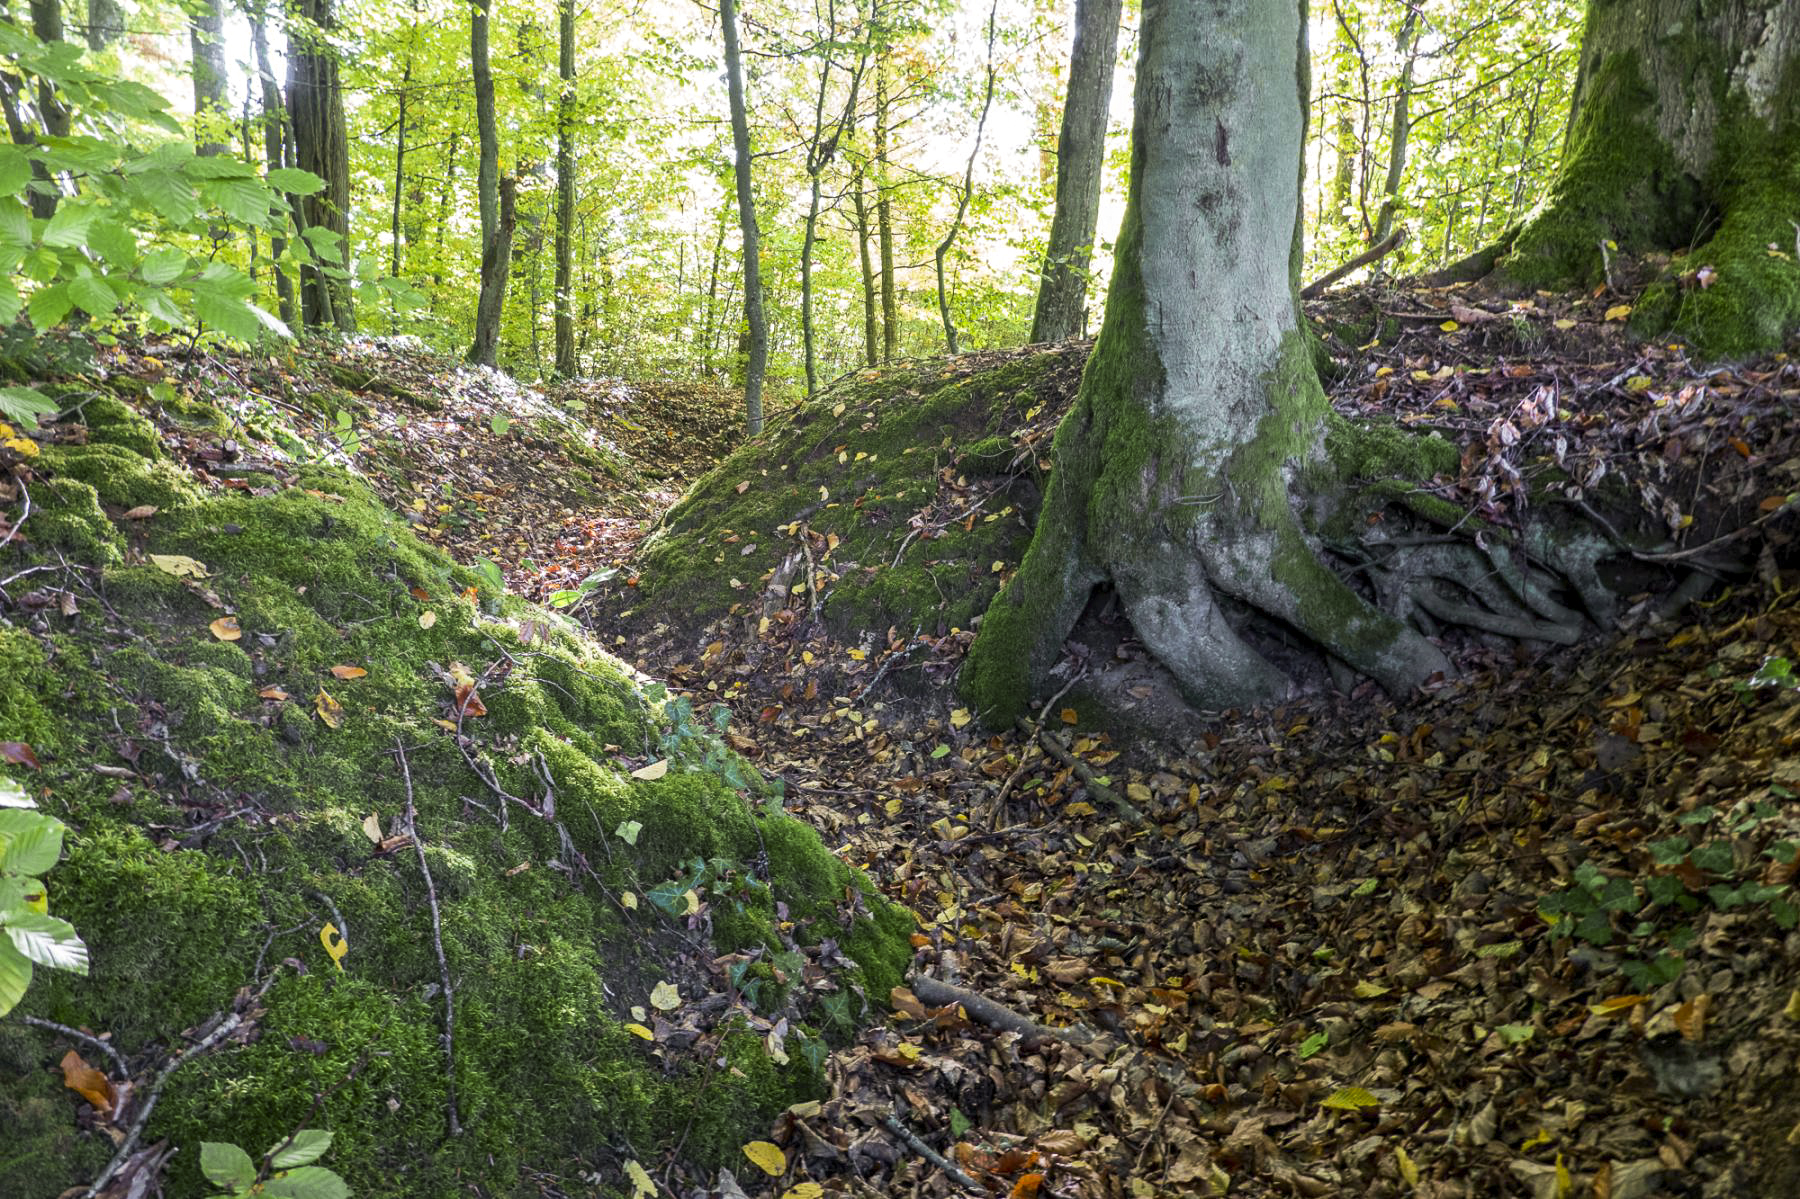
(47, 24)
(496, 224)
(275, 144)
(321, 145)
(884, 184)
(951, 337)
(1080, 157)
(821, 148)
(1200, 401)
(565, 366)
(212, 97)
(1675, 142)
(756, 349)
(105, 23)
(1407, 50)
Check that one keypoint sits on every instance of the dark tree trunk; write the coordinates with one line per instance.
(321, 145)
(871, 322)
(484, 350)
(756, 347)
(952, 337)
(496, 267)
(47, 24)
(1200, 403)
(1080, 157)
(275, 150)
(105, 23)
(565, 367)
(1684, 132)
(1401, 129)
(212, 100)
(884, 213)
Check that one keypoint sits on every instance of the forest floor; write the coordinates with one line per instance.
(1527, 935)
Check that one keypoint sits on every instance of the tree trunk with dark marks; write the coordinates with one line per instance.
(1684, 136)
(1176, 474)
(322, 146)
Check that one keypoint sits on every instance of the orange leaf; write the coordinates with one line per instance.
(141, 512)
(468, 703)
(88, 1082)
(1771, 503)
(1027, 1186)
(348, 672)
(272, 693)
(19, 754)
(422, 595)
(226, 628)
(1069, 716)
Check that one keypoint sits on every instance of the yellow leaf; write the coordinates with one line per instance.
(909, 1051)
(1565, 324)
(692, 899)
(1449, 326)
(226, 628)
(641, 1182)
(334, 943)
(858, 654)
(1069, 716)
(22, 446)
(1408, 1169)
(804, 1190)
(653, 771)
(1367, 990)
(179, 565)
(427, 618)
(960, 717)
(1350, 1099)
(629, 900)
(1565, 1185)
(638, 1030)
(664, 997)
(371, 827)
(329, 710)
(1638, 383)
(1618, 312)
(768, 1157)
(37, 897)
(348, 672)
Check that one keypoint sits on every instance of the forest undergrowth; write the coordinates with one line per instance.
(1531, 934)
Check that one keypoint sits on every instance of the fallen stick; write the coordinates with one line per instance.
(1380, 249)
(892, 1124)
(993, 1013)
(437, 943)
(1095, 787)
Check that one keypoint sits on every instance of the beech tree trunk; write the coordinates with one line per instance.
(871, 323)
(1684, 132)
(275, 150)
(756, 341)
(495, 264)
(884, 210)
(105, 23)
(322, 146)
(1176, 471)
(206, 42)
(565, 365)
(1080, 157)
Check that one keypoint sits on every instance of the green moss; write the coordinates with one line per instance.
(242, 808)
(111, 421)
(1382, 450)
(1618, 182)
(121, 476)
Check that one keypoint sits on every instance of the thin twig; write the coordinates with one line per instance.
(76, 1034)
(229, 1024)
(1025, 752)
(1095, 787)
(892, 1124)
(24, 514)
(337, 917)
(1379, 250)
(437, 943)
(993, 1013)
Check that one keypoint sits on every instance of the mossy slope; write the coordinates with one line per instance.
(228, 821)
(879, 477)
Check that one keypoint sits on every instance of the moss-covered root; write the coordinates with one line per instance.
(1024, 628)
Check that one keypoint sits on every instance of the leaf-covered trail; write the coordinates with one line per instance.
(1325, 964)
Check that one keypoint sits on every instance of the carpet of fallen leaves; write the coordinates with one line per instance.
(1322, 965)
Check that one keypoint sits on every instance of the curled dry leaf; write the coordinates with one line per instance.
(19, 754)
(226, 628)
(348, 672)
(329, 710)
(89, 1083)
(141, 512)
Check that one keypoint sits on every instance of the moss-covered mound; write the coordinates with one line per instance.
(229, 794)
(896, 496)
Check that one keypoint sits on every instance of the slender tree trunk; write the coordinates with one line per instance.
(1402, 126)
(212, 99)
(1200, 401)
(396, 223)
(1080, 160)
(884, 212)
(566, 366)
(1679, 143)
(47, 24)
(709, 333)
(871, 322)
(495, 264)
(1348, 149)
(756, 351)
(274, 122)
(951, 339)
(496, 267)
(321, 145)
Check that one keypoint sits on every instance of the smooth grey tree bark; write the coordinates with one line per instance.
(1175, 474)
(1080, 157)
(212, 99)
(756, 348)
